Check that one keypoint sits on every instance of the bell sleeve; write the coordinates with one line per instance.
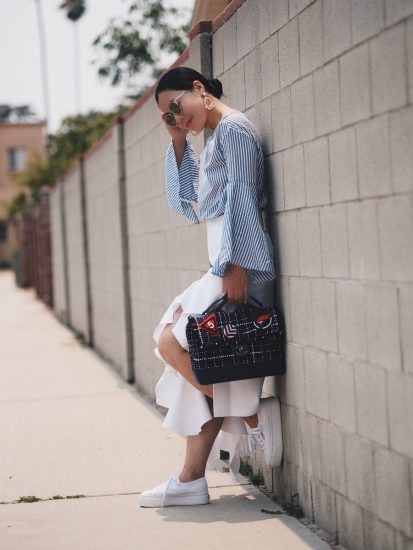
(244, 240)
(182, 182)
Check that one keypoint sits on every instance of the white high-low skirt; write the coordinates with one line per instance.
(188, 407)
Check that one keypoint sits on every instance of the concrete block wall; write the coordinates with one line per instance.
(75, 252)
(329, 85)
(105, 252)
(57, 253)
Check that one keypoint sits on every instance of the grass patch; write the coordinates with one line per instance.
(256, 478)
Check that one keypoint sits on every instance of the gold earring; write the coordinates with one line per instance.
(210, 105)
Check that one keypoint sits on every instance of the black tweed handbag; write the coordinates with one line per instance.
(245, 343)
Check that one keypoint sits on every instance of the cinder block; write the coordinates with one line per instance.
(332, 457)
(350, 523)
(383, 335)
(367, 19)
(302, 108)
(324, 506)
(363, 240)
(300, 490)
(315, 372)
(288, 53)
(237, 78)
(269, 62)
(282, 299)
(230, 43)
(401, 147)
(377, 534)
(260, 21)
(402, 542)
(253, 77)
(310, 28)
(275, 182)
(297, 6)
(281, 120)
(354, 85)
(351, 322)
(406, 325)
(396, 10)
(324, 314)
(244, 29)
(343, 165)
(308, 444)
(327, 98)
(334, 241)
(291, 386)
(290, 437)
(278, 14)
(395, 219)
(300, 307)
(317, 188)
(409, 46)
(388, 70)
(148, 250)
(309, 242)
(400, 410)
(370, 383)
(294, 188)
(393, 490)
(341, 392)
(287, 243)
(336, 27)
(263, 110)
(218, 52)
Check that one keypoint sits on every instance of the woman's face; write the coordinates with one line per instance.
(192, 106)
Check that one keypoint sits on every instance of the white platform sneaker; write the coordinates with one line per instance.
(268, 433)
(176, 492)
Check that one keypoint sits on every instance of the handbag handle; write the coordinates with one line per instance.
(224, 299)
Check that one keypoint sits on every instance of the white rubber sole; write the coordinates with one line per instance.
(271, 417)
(173, 500)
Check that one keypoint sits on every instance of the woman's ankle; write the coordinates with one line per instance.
(186, 476)
(252, 421)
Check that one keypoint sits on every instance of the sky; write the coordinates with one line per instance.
(20, 69)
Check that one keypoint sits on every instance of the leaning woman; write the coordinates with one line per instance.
(226, 183)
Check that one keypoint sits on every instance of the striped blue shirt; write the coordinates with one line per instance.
(233, 186)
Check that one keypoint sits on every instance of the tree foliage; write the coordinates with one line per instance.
(131, 45)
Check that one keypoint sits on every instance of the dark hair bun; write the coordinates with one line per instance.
(216, 87)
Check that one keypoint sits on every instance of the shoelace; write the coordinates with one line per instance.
(256, 435)
(168, 483)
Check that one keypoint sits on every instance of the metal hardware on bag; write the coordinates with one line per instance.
(241, 349)
(224, 300)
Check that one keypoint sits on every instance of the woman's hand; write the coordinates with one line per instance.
(236, 284)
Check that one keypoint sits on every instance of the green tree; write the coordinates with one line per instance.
(131, 45)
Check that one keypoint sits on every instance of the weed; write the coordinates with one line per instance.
(30, 498)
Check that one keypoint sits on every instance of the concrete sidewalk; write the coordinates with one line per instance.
(71, 427)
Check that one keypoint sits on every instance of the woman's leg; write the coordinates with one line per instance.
(198, 446)
(178, 357)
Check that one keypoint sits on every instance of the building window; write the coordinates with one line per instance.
(3, 231)
(17, 159)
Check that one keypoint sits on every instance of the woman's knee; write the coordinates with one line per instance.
(168, 345)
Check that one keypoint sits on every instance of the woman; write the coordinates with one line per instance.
(227, 183)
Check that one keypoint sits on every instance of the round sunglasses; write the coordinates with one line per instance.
(175, 109)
